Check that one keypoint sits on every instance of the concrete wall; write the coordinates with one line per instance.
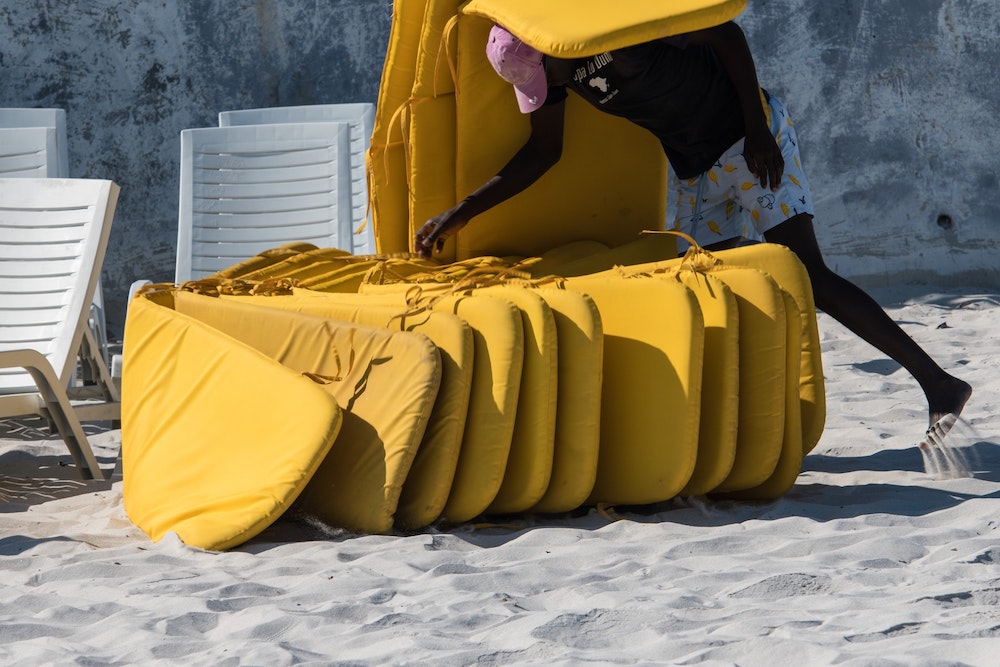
(894, 104)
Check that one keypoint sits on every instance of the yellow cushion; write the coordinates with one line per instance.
(578, 412)
(428, 483)
(762, 376)
(642, 250)
(787, 270)
(790, 461)
(555, 442)
(552, 261)
(651, 396)
(498, 335)
(574, 28)
(218, 440)
(529, 464)
(267, 258)
(431, 114)
(564, 205)
(432, 162)
(387, 163)
(720, 386)
(385, 381)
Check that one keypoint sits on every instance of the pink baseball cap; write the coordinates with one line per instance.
(520, 65)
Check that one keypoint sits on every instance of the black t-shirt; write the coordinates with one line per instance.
(679, 92)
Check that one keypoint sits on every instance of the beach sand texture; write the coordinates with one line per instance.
(867, 560)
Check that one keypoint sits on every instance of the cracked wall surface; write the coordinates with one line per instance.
(894, 105)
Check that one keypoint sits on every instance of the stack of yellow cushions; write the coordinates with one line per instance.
(553, 357)
(472, 392)
(232, 412)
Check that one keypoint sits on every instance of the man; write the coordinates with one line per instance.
(734, 158)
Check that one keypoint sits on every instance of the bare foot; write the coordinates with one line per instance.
(947, 398)
(934, 437)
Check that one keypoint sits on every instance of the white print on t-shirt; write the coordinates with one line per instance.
(600, 83)
(591, 66)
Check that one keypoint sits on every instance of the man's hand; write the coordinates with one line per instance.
(763, 156)
(433, 233)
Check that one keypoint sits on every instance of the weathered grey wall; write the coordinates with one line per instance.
(895, 103)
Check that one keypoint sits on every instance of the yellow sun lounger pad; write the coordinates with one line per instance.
(428, 484)
(385, 381)
(762, 336)
(554, 448)
(386, 159)
(790, 460)
(720, 384)
(529, 464)
(498, 332)
(580, 337)
(651, 396)
(785, 268)
(498, 335)
(609, 185)
(209, 450)
(577, 28)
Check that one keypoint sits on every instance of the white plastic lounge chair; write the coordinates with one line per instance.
(247, 189)
(251, 188)
(28, 152)
(361, 118)
(54, 118)
(53, 236)
(34, 144)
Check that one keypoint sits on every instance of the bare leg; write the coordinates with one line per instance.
(857, 311)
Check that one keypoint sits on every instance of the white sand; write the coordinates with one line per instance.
(867, 561)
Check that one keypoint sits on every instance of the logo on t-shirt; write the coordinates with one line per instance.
(600, 83)
(587, 71)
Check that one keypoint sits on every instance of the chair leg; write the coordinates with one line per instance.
(61, 412)
(91, 351)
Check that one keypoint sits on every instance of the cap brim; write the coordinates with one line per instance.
(531, 94)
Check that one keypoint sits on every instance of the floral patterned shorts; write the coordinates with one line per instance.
(728, 202)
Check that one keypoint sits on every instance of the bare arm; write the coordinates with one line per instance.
(539, 153)
(761, 151)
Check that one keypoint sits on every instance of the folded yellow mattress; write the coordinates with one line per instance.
(385, 382)
(208, 449)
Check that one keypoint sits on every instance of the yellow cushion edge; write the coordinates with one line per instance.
(720, 388)
(578, 412)
(762, 375)
(529, 463)
(790, 461)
